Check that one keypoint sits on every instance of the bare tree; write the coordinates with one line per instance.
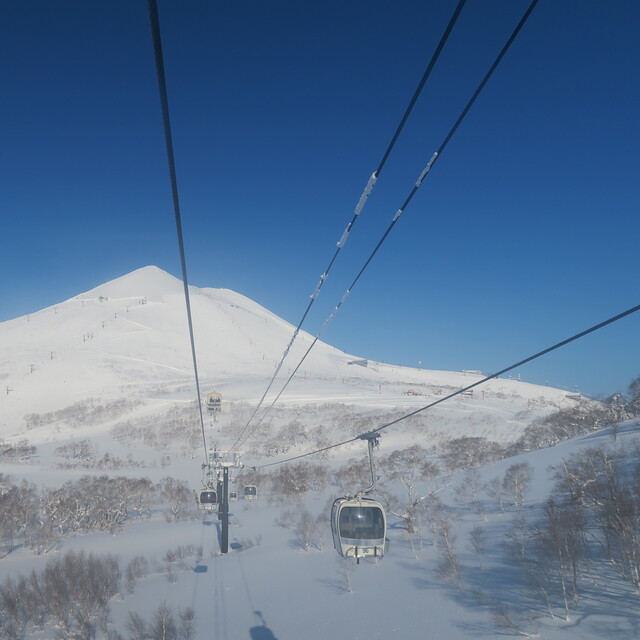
(478, 540)
(19, 510)
(633, 405)
(519, 541)
(516, 482)
(503, 619)
(296, 479)
(519, 537)
(448, 567)
(163, 625)
(15, 613)
(406, 468)
(585, 417)
(186, 623)
(561, 544)
(137, 569)
(306, 528)
(178, 497)
(353, 476)
(471, 451)
(137, 627)
(598, 481)
(467, 491)
(495, 490)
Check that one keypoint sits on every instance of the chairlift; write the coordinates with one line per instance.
(359, 524)
(250, 492)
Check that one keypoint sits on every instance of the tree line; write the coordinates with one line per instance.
(39, 518)
(589, 530)
(72, 594)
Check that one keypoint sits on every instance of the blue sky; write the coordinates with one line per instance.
(525, 232)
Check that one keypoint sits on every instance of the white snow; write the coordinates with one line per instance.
(127, 339)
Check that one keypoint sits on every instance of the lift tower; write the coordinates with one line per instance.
(222, 461)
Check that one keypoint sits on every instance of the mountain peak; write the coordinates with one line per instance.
(150, 282)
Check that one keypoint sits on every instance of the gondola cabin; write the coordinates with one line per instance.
(359, 527)
(250, 492)
(214, 402)
(233, 496)
(208, 499)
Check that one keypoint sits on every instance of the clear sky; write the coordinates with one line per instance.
(525, 232)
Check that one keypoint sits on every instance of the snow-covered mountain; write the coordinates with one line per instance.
(128, 340)
(124, 347)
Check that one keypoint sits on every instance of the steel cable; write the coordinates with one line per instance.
(558, 345)
(240, 441)
(359, 207)
(164, 104)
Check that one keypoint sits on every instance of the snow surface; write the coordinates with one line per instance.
(128, 339)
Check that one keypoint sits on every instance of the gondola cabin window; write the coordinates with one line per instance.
(361, 523)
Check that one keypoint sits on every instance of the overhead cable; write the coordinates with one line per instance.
(164, 104)
(421, 84)
(397, 214)
(558, 345)
(359, 207)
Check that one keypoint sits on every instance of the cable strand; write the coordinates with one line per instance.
(164, 105)
(558, 345)
(396, 216)
(359, 207)
(423, 80)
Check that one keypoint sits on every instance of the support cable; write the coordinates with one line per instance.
(359, 207)
(396, 216)
(558, 345)
(423, 80)
(164, 104)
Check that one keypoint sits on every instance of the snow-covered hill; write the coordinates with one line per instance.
(267, 587)
(126, 343)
